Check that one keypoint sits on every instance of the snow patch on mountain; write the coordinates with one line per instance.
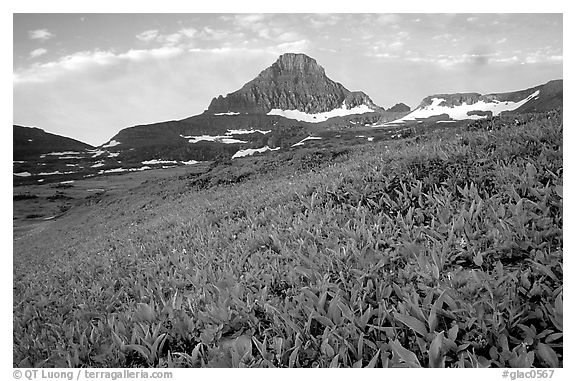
(54, 173)
(301, 142)
(252, 151)
(118, 170)
(112, 143)
(155, 161)
(245, 132)
(228, 113)
(321, 116)
(62, 153)
(113, 170)
(209, 138)
(97, 152)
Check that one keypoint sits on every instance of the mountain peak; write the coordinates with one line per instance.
(294, 82)
(292, 67)
(297, 63)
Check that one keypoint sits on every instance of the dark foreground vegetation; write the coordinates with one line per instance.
(442, 250)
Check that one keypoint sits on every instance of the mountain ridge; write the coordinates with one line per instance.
(462, 106)
(293, 82)
(457, 99)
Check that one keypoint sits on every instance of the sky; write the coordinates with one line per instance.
(87, 76)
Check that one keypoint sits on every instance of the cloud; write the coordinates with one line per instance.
(536, 58)
(148, 35)
(447, 37)
(184, 41)
(403, 35)
(40, 34)
(189, 37)
(322, 20)
(481, 57)
(212, 34)
(171, 39)
(451, 60)
(506, 60)
(182, 34)
(263, 26)
(388, 19)
(144, 54)
(288, 36)
(38, 52)
(256, 23)
(86, 60)
(383, 55)
(300, 46)
(247, 20)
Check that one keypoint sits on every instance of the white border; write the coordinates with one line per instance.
(295, 6)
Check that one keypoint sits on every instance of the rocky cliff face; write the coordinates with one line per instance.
(293, 82)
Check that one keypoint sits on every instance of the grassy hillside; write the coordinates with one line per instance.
(438, 250)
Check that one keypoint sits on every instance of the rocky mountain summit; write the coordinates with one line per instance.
(293, 82)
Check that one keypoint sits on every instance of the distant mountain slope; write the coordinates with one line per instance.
(461, 106)
(551, 97)
(29, 142)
